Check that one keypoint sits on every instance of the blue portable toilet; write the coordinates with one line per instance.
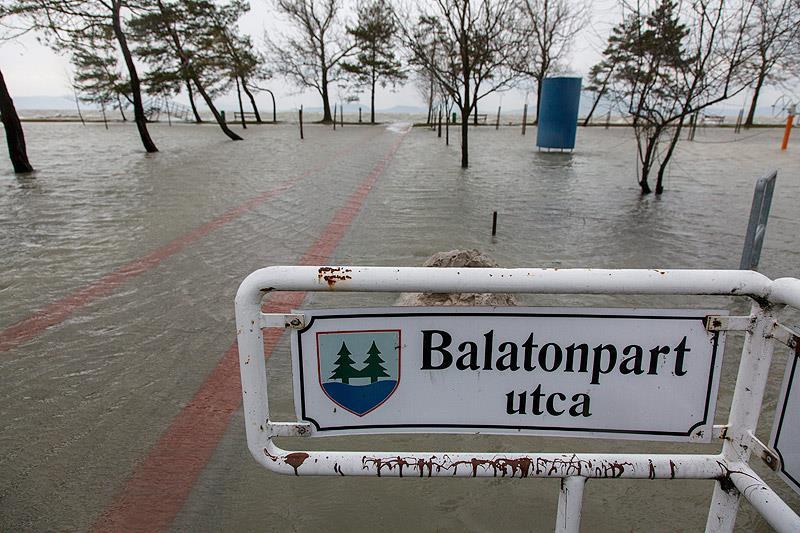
(558, 113)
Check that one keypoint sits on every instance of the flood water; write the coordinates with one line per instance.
(140, 257)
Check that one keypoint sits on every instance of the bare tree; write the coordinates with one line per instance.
(775, 30)
(68, 22)
(310, 56)
(480, 51)
(672, 63)
(551, 26)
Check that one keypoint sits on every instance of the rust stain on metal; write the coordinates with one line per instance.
(652, 469)
(333, 275)
(294, 459)
(672, 468)
(498, 466)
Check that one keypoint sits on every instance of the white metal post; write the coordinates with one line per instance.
(570, 503)
(743, 419)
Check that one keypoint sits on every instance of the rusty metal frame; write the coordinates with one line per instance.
(729, 467)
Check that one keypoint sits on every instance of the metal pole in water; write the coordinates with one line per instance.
(497, 123)
(359, 115)
(494, 223)
(524, 118)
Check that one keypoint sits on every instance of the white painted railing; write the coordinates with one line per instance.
(729, 467)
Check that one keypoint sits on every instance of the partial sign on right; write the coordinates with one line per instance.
(785, 438)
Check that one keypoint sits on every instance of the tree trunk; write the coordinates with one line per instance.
(121, 111)
(197, 118)
(663, 167)
(224, 127)
(464, 138)
(186, 67)
(754, 102)
(136, 86)
(372, 103)
(326, 103)
(465, 108)
(249, 94)
(591, 111)
(647, 163)
(538, 101)
(241, 107)
(15, 137)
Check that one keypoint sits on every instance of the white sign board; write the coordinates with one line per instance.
(786, 428)
(612, 373)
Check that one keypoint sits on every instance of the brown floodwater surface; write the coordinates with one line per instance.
(118, 271)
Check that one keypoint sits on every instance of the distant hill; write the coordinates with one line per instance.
(46, 102)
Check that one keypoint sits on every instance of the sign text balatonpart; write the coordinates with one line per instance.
(645, 374)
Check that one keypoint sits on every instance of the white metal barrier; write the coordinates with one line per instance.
(729, 467)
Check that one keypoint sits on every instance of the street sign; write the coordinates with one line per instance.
(785, 438)
(611, 373)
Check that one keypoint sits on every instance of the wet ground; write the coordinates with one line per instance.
(117, 276)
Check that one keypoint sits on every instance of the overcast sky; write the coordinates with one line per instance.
(31, 69)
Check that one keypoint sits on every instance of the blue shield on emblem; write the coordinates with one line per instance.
(359, 370)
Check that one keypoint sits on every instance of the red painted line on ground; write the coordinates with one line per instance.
(161, 483)
(59, 310)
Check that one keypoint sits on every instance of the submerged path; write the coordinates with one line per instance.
(59, 310)
(161, 483)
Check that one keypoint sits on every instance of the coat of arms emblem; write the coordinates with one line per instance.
(359, 370)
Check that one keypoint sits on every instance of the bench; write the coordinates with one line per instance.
(248, 115)
(716, 120)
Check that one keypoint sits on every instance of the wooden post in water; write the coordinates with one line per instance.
(439, 134)
(494, 223)
(446, 129)
(359, 115)
(524, 118)
(103, 109)
(608, 119)
(301, 122)
(334, 117)
(341, 115)
(497, 123)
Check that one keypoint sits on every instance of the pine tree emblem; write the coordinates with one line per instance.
(374, 368)
(344, 366)
(362, 382)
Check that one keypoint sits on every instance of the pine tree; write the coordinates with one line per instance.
(344, 366)
(374, 368)
(375, 37)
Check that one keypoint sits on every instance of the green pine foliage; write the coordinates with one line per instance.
(344, 370)
(375, 62)
(374, 368)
